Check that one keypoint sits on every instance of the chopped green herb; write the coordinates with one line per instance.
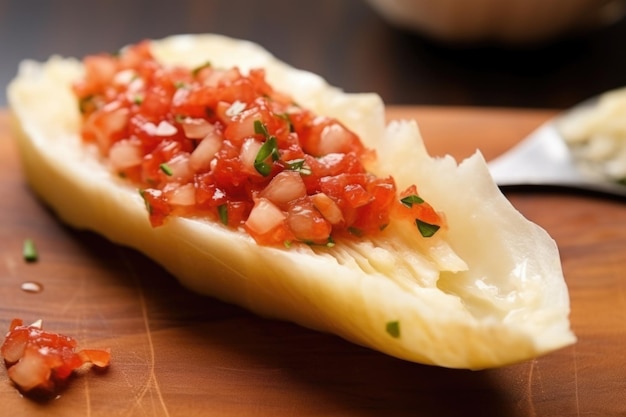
(222, 210)
(199, 68)
(269, 148)
(166, 169)
(142, 193)
(426, 229)
(393, 328)
(138, 100)
(179, 84)
(29, 251)
(87, 104)
(411, 199)
(330, 242)
(355, 231)
(286, 117)
(298, 165)
(260, 128)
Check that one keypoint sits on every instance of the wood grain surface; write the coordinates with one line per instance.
(179, 354)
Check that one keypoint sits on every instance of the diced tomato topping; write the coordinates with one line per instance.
(412, 208)
(224, 144)
(37, 359)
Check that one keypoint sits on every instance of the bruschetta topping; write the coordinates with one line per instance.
(222, 144)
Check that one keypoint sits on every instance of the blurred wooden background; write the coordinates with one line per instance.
(345, 41)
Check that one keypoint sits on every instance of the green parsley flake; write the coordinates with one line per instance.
(166, 169)
(222, 210)
(199, 68)
(411, 199)
(260, 128)
(355, 231)
(29, 251)
(142, 193)
(269, 148)
(286, 117)
(299, 165)
(393, 328)
(426, 229)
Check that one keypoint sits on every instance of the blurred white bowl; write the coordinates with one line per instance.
(505, 21)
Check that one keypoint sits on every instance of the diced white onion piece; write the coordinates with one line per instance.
(125, 153)
(164, 128)
(136, 85)
(201, 157)
(284, 187)
(185, 195)
(107, 121)
(179, 167)
(243, 124)
(328, 208)
(235, 108)
(334, 138)
(248, 153)
(180, 96)
(12, 352)
(213, 78)
(37, 324)
(229, 75)
(196, 128)
(124, 77)
(264, 216)
(30, 372)
(306, 225)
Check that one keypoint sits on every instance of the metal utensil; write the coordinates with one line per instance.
(544, 159)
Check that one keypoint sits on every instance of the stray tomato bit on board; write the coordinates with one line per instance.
(225, 145)
(41, 360)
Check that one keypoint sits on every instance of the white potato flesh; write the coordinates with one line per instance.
(487, 292)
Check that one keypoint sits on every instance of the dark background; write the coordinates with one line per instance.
(345, 41)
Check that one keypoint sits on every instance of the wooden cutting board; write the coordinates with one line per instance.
(178, 354)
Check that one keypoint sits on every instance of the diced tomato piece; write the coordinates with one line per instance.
(306, 222)
(375, 216)
(420, 210)
(157, 206)
(208, 194)
(328, 208)
(237, 212)
(37, 359)
(106, 125)
(135, 55)
(156, 101)
(99, 72)
(325, 135)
